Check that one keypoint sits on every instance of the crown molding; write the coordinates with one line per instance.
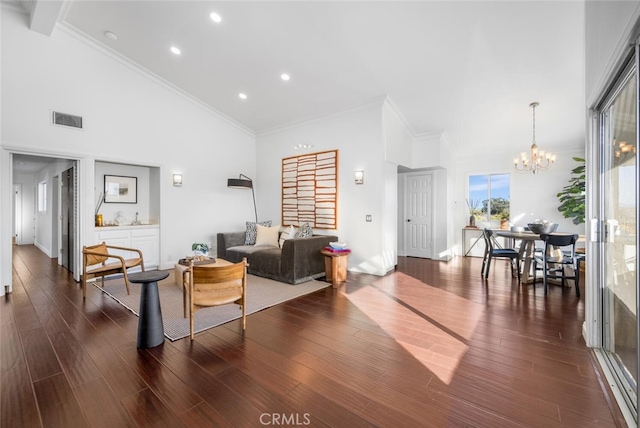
(105, 50)
(389, 102)
(15, 6)
(375, 101)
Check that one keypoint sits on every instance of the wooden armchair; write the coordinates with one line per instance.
(94, 263)
(216, 286)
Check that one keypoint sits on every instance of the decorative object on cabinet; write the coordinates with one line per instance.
(120, 189)
(473, 206)
(94, 263)
(310, 190)
(244, 183)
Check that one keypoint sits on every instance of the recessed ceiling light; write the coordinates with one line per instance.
(175, 50)
(215, 17)
(285, 76)
(111, 36)
(242, 95)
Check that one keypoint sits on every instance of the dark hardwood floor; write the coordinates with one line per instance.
(431, 345)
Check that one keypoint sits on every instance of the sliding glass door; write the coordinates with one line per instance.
(618, 183)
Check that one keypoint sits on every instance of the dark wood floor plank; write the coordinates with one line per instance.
(203, 415)
(58, 404)
(228, 405)
(10, 347)
(431, 344)
(18, 407)
(166, 385)
(121, 378)
(330, 412)
(147, 410)
(262, 399)
(76, 363)
(42, 360)
(101, 406)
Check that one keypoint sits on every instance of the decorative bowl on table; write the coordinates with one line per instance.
(338, 245)
(543, 227)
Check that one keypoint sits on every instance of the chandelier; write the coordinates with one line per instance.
(537, 160)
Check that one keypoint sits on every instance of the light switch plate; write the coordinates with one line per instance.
(368, 217)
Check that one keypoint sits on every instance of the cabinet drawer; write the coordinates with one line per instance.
(113, 234)
(144, 232)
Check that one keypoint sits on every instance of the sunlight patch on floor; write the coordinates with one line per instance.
(431, 324)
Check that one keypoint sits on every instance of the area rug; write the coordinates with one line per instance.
(262, 293)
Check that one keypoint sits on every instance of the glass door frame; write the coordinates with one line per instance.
(597, 233)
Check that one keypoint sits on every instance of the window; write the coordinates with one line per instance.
(42, 196)
(489, 196)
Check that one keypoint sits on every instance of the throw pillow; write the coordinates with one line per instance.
(288, 233)
(250, 239)
(267, 235)
(305, 231)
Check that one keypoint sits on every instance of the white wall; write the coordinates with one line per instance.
(129, 118)
(609, 29)
(44, 220)
(357, 134)
(532, 196)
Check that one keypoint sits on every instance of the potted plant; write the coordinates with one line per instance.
(200, 249)
(572, 196)
(504, 220)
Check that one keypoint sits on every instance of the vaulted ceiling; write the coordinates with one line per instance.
(469, 69)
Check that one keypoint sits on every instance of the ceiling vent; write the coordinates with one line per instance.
(64, 119)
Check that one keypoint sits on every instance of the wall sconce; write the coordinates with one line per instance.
(359, 177)
(177, 180)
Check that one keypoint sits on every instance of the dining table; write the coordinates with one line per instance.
(527, 249)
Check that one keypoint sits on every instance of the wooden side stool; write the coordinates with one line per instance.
(335, 266)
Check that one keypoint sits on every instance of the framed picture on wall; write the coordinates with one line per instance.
(120, 189)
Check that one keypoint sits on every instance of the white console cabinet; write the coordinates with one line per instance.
(144, 238)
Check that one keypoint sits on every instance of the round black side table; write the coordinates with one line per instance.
(150, 329)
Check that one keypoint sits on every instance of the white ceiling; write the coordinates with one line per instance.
(468, 68)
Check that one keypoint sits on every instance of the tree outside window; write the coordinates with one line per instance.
(489, 196)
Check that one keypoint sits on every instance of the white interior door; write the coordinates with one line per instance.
(419, 216)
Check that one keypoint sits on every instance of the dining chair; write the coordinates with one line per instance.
(559, 253)
(490, 252)
(216, 286)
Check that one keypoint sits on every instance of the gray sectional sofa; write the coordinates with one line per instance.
(298, 260)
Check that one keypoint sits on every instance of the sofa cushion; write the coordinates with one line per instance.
(305, 231)
(287, 233)
(267, 236)
(265, 262)
(250, 237)
(235, 254)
